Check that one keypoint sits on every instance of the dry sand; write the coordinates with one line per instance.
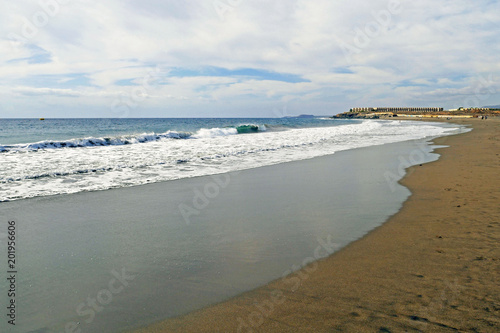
(433, 267)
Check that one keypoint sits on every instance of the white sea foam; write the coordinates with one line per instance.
(34, 170)
(214, 132)
(125, 140)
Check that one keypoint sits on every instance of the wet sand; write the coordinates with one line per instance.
(433, 267)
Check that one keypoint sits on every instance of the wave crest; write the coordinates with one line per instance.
(203, 133)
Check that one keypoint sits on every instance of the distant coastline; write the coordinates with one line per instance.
(404, 112)
(302, 116)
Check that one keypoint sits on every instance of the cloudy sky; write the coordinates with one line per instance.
(244, 58)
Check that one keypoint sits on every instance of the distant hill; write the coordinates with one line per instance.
(492, 107)
(301, 116)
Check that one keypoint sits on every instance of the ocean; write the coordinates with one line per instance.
(63, 156)
(120, 223)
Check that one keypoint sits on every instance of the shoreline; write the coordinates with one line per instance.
(423, 269)
(251, 227)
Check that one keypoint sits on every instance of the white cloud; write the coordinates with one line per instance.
(424, 49)
(28, 91)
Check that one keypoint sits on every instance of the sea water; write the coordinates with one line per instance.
(106, 261)
(63, 156)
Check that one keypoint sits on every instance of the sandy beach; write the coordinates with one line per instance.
(433, 267)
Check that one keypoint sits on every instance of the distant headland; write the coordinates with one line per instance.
(301, 116)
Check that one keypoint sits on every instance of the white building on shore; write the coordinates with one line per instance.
(397, 109)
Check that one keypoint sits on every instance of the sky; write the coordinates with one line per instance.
(244, 58)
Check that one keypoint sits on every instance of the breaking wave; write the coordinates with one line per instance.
(203, 133)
